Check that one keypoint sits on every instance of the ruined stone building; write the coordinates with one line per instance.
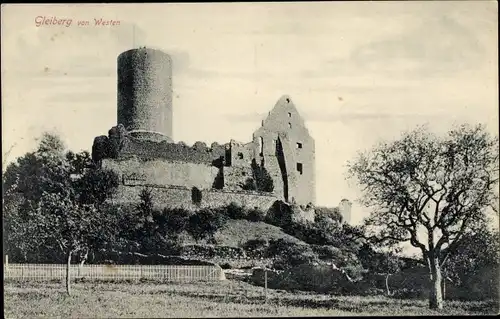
(277, 164)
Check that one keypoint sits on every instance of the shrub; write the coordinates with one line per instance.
(198, 251)
(333, 214)
(205, 223)
(229, 252)
(254, 244)
(235, 211)
(256, 215)
(287, 253)
(256, 247)
(326, 252)
(280, 214)
(177, 219)
(263, 181)
(226, 266)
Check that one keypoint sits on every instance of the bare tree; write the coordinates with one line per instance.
(429, 191)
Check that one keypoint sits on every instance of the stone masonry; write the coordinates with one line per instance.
(141, 149)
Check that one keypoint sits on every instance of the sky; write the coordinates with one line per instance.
(358, 72)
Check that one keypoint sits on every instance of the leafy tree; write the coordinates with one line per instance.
(145, 221)
(80, 162)
(145, 207)
(430, 191)
(249, 185)
(71, 226)
(94, 185)
(177, 220)
(328, 222)
(205, 223)
(386, 263)
(333, 214)
(279, 214)
(474, 265)
(43, 204)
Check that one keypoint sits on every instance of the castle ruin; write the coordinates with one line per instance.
(277, 164)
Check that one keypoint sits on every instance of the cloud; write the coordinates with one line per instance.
(182, 67)
(436, 45)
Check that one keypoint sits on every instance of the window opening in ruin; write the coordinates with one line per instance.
(299, 145)
(287, 100)
(289, 125)
(299, 168)
(289, 114)
(261, 146)
(240, 155)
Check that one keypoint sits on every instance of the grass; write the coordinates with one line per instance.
(228, 298)
(240, 231)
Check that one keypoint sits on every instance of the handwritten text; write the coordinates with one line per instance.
(67, 22)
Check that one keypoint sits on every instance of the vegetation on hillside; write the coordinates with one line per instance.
(430, 191)
(56, 210)
(46, 208)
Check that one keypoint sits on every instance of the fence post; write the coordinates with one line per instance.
(265, 285)
(6, 262)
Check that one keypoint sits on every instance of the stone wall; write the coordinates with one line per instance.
(215, 198)
(181, 197)
(235, 177)
(241, 154)
(167, 196)
(199, 153)
(135, 171)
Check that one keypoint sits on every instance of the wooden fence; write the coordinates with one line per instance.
(114, 272)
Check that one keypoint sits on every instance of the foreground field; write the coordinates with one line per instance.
(229, 298)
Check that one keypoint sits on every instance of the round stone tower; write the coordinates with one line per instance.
(145, 93)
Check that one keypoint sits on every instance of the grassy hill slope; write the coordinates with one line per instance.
(237, 232)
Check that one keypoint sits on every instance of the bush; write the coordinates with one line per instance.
(287, 253)
(205, 223)
(256, 215)
(256, 247)
(177, 219)
(330, 253)
(263, 181)
(235, 211)
(280, 214)
(229, 252)
(198, 251)
(331, 214)
(226, 266)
